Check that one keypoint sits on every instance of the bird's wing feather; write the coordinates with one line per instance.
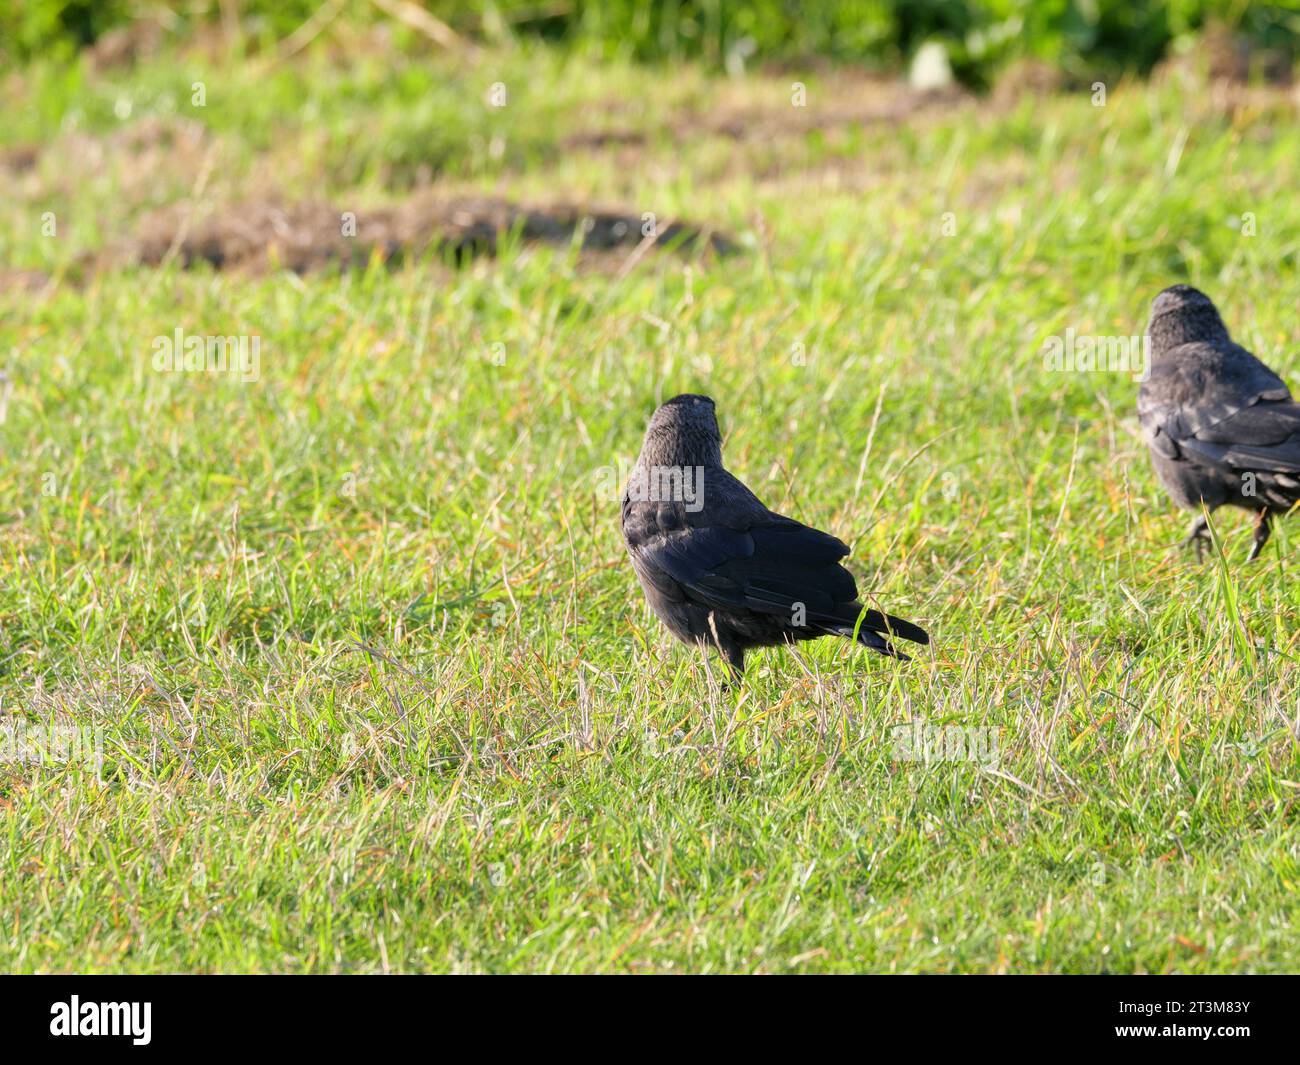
(1263, 439)
(1210, 400)
(768, 568)
(774, 567)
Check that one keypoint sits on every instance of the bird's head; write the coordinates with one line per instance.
(1182, 314)
(684, 431)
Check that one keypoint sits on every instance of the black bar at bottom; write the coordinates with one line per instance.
(333, 1014)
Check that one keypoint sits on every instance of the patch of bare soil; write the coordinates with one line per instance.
(20, 158)
(124, 45)
(857, 102)
(1223, 73)
(1222, 64)
(1221, 55)
(145, 160)
(302, 237)
(15, 280)
(1027, 77)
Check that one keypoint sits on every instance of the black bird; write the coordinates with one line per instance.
(718, 567)
(1221, 425)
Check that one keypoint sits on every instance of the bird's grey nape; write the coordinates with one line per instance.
(1182, 314)
(684, 432)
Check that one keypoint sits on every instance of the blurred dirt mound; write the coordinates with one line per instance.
(311, 236)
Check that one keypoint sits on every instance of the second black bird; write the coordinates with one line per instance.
(1221, 426)
(720, 569)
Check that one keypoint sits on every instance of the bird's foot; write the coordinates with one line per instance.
(1198, 537)
(1262, 529)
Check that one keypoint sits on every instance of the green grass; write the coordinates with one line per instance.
(378, 690)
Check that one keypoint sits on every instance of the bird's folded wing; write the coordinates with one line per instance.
(1265, 437)
(1201, 389)
(778, 567)
(1223, 406)
(770, 568)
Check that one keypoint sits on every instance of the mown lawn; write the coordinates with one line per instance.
(376, 685)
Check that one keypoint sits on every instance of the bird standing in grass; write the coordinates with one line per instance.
(720, 569)
(1221, 426)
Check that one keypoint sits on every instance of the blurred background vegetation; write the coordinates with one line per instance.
(1083, 38)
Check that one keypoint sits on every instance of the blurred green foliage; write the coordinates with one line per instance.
(1080, 36)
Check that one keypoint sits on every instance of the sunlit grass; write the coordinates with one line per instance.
(377, 687)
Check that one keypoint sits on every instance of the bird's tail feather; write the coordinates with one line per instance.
(867, 638)
(888, 625)
(875, 627)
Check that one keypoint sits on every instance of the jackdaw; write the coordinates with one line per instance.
(1221, 425)
(718, 567)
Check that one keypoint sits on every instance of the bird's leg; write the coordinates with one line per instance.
(735, 669)
(1198, 536)
(735, 657)
(1262, 529)
(732, 653)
